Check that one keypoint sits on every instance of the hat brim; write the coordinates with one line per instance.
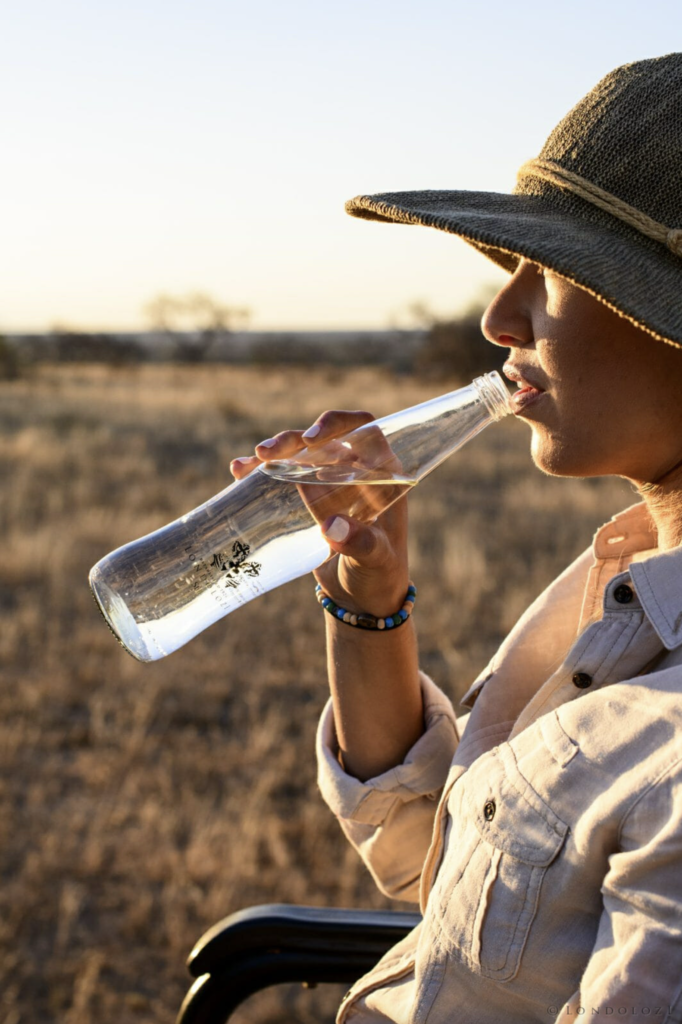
(634, 275)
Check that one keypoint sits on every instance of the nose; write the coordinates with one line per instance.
(507, 320)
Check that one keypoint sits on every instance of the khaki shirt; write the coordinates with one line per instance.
(542, 838)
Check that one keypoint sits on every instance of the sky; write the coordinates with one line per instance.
(167, 147)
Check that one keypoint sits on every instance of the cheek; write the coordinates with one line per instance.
(581, 376)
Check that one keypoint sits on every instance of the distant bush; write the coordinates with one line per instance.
(280, 349)
(77, 346)
(342, 349)
(9, 362)
(194, 346)
(458, 348)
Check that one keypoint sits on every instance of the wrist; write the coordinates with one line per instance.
(374, 594)
(367, 620)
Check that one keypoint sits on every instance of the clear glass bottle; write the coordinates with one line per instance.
(160, 591)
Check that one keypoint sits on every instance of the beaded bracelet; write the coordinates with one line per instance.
(362, 619)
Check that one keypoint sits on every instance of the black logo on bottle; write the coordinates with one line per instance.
(235, 565)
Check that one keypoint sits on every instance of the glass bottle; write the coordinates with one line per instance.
(160, 591)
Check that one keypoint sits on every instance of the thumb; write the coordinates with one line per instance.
(367, 545)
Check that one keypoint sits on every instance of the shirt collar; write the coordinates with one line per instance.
(657, 579)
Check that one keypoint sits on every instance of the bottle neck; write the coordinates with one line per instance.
(487, 393)
(494, 394)
(424, 435)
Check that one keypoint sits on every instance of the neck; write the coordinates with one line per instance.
(663, 499)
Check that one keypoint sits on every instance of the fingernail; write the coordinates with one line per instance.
(242, 460)
(338, 530)
(270, 443)
(311, 431)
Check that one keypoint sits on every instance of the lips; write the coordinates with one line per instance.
(529, 388)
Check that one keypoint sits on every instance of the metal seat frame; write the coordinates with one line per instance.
(277, 943)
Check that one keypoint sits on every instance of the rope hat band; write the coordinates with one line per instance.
(600, 205)
(550, 171)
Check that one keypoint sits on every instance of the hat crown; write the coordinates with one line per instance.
(626, 137)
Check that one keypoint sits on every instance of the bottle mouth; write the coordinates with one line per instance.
(494, 394)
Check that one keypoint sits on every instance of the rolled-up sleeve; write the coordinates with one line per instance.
(389, 819)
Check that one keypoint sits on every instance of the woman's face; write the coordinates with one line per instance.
(601, 396)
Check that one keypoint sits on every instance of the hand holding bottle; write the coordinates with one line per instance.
(369, 572)
(350, 476)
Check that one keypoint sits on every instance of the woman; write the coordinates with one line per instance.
(542, 833)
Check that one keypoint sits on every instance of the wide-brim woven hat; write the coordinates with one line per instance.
(601, 205)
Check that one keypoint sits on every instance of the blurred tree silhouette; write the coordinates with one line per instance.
(194, 321)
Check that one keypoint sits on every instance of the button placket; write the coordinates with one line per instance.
(597, 660)
(595, 654)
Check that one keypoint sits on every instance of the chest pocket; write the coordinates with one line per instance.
(499, 842)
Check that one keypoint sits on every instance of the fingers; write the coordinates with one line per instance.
(334, 422)
(368, 545)
(330, 424)
(364, 444)
(281, 446)
(350, 441)
(326, 427)
(288, 442)
(239, 468)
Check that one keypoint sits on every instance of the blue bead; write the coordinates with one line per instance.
(340, 612)
(410, 598)
(389, 622)
(402, 614)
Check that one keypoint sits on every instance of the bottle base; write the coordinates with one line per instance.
(119, 620)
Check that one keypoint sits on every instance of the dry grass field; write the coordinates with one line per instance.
(141, 803)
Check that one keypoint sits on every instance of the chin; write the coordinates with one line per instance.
(557, 458)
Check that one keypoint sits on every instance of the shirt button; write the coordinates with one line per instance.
(489, 810)
(623, 594)
(582, 680)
